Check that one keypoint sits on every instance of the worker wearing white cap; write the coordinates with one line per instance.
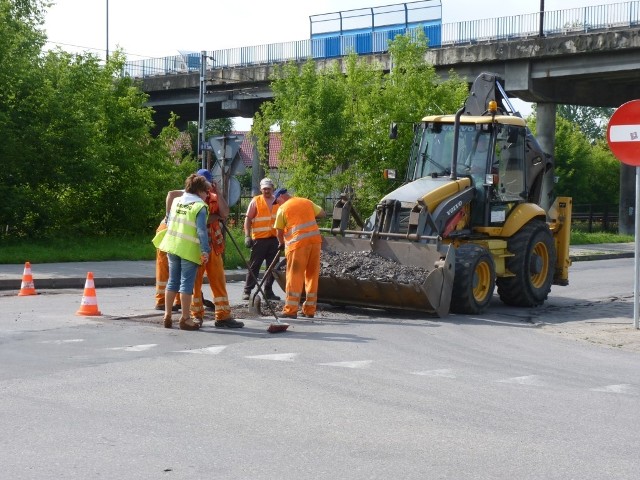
(260, 237)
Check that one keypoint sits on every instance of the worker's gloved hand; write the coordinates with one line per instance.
(281, 247)
(248, 242)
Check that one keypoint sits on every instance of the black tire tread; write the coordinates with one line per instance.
(462, 300)
(518, 291)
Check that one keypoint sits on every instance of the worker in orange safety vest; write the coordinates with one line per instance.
(300, 237)
(214, 267)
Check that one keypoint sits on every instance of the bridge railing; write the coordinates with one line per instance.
(557, 22)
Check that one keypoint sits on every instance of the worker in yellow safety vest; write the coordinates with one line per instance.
(214, 267)
(186, 243)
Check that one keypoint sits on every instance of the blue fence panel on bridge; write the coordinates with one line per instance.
(193, 61)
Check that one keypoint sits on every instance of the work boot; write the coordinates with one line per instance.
(159, 307)
(246, 295)
(269, 295)
(188, 324)
(228, 323)
(175, 308)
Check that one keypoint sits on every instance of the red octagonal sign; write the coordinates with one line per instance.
(623, 133)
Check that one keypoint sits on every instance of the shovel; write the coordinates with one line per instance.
(254, 299)
(274, 327)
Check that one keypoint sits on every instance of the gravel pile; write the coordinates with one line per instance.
(369, 266)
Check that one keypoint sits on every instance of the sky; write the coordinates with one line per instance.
(158, 28)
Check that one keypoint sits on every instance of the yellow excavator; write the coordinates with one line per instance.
(470, 212)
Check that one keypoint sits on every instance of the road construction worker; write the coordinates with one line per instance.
(187, 245)
(162, 272)
(214, 267)
(298, 233)
(260, 237)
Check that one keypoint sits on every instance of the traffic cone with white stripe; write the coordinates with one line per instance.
(27, 287)
(89, 305)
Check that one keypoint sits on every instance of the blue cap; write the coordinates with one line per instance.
(206, 174)
(279, 192)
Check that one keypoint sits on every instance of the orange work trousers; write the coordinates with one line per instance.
(214, 268)
(303, 270)
(162, 273)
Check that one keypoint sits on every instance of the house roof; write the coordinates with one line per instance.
(246, 148)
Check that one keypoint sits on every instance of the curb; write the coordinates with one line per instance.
(600, 256)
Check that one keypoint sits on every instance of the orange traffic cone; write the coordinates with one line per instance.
(89, 305)
(27, 287)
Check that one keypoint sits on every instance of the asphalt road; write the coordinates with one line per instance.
(353, 394)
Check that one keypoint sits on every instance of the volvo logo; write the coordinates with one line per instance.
(454, 208)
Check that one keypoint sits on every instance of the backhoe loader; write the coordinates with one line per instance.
(471, 212)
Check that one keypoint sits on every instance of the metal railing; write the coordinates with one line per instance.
(557, 22)
(595, 218)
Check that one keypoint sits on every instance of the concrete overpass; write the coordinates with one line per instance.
(593, 69)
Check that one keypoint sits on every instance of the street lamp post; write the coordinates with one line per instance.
(107, 30)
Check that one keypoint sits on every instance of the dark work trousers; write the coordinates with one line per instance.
(263, 250)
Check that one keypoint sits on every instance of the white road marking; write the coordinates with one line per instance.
(622, 388)
(205, 351)
(445, 372)
(278, 357)
(526, 380)
(60, 342)
(135, 348)
(354, 364)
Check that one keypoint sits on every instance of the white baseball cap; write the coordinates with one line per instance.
(266, 182)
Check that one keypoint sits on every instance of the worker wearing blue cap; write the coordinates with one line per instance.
(298, 232)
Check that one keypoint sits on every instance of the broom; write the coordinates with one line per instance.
(274, 327)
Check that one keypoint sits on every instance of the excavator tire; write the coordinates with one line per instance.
(532, 264)
(474, 280)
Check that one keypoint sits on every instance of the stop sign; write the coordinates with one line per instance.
(623, 133)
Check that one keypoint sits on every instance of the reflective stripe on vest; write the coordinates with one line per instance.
(262, 223)
(301, 226)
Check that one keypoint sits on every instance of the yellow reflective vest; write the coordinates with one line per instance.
(181, 237)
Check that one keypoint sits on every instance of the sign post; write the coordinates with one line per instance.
(623, 136)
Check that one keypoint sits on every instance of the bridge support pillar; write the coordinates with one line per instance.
(626, 210)
(546, 128)
(257, 172)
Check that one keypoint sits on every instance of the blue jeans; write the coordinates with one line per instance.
(182, 274)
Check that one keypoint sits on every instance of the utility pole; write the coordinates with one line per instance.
(202, 112)
(541, 18)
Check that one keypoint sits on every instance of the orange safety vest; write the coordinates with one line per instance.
(216, 239)
(262, 223)
(301, 227)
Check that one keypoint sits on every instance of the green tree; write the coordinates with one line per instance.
(586, 171)
(592, 121)
(77, 152)
(21, 41)
(214, 127)
(335, 121)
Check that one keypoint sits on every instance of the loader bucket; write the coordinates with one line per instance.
(432, 296)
